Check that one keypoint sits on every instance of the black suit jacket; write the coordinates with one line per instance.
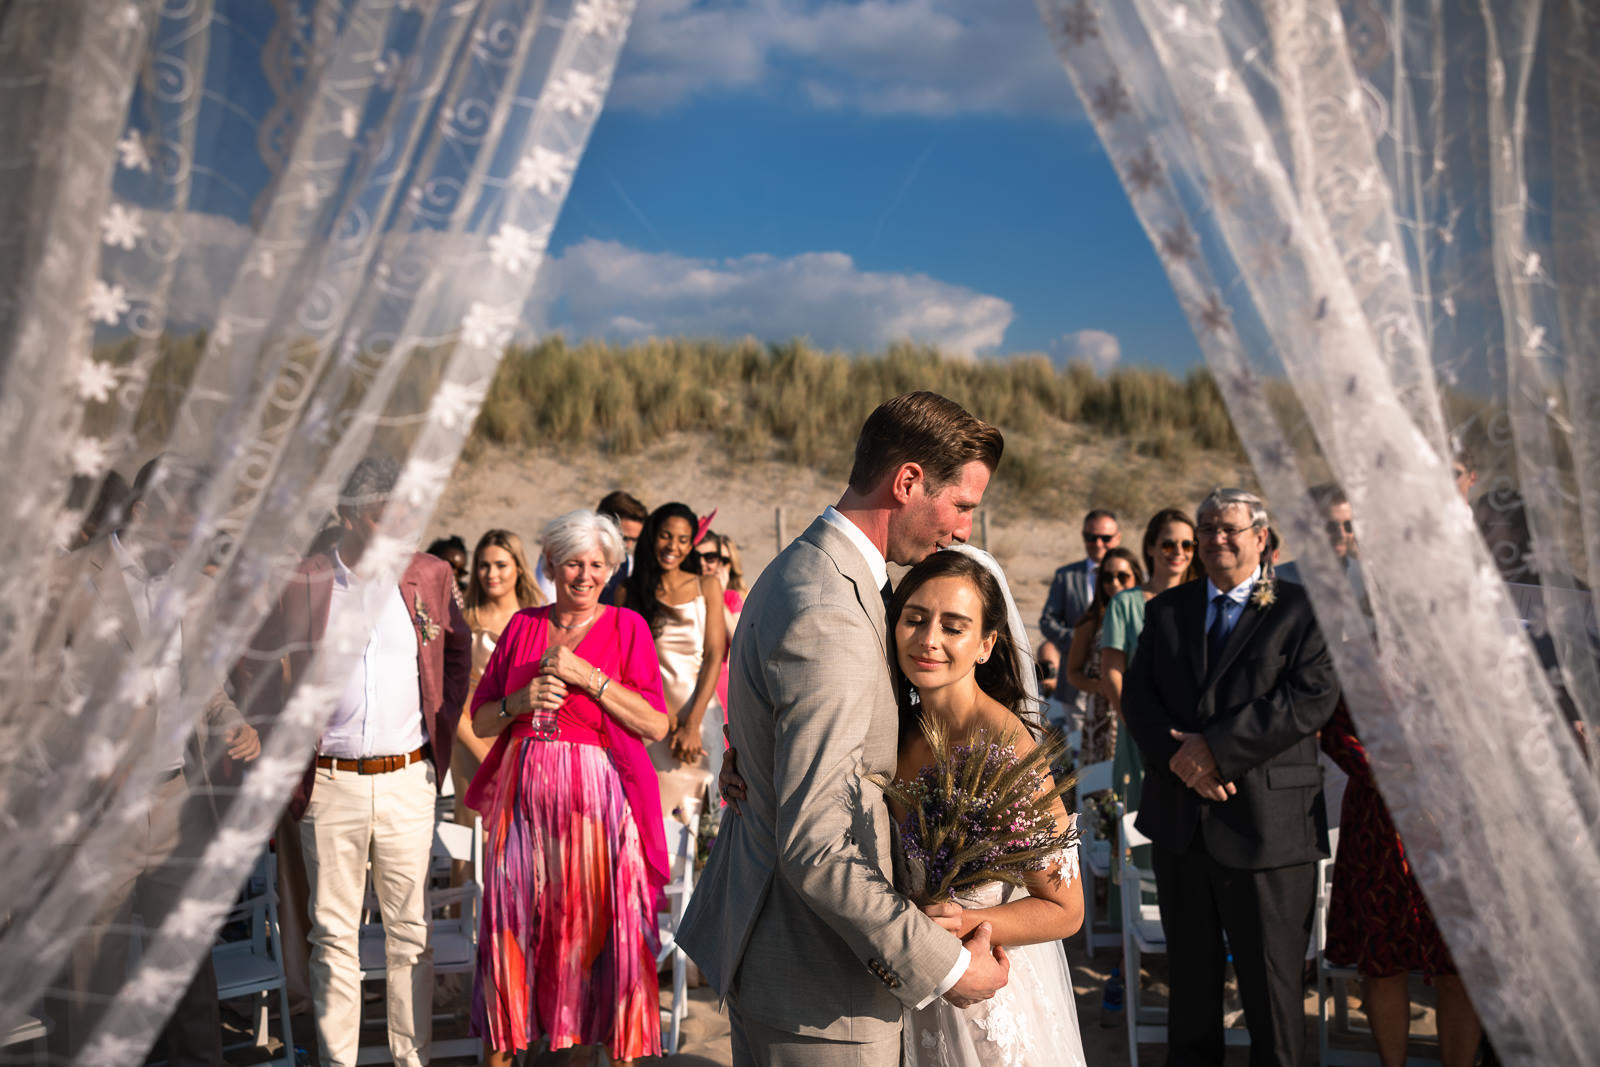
(1259, 710)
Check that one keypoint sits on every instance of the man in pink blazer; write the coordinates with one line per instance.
(397, 690)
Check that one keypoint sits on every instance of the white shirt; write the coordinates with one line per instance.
(1089, 574)
(166, 677)
(380, 711)
(880, 574)
(545, 582)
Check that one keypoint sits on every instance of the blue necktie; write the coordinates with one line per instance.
(1217, 636)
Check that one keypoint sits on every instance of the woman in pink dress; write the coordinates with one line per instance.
(575, 855)
(719, 559)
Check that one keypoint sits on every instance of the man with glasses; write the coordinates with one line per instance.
(1071, 593)
(1232, 682)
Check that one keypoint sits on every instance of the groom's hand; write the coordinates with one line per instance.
(988, 972)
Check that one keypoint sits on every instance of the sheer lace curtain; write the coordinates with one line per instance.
(262, 239)
(1380, 217)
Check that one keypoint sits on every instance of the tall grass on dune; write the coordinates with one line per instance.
(795, 403)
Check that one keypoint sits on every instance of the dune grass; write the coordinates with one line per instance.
(792, 403)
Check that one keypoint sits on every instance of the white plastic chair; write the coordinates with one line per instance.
(1142, 936)
(681, 848)
(1095, 853)
(253, 966)
(454, 936)
(29, 1028)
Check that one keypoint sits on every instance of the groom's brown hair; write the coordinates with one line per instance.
(927, 429)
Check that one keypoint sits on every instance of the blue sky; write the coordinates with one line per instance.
(857, 173)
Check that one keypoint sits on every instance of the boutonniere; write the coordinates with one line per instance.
(1263, 595)
(425, 624)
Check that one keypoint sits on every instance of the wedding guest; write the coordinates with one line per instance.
(1379, 921)
(576, 855)
(719, 558)
(453, 551)
(1464, 469)
(684, 612)
(501, 585)
(370, 792)
(1119, 570)
(1071, 593)
(121, 578)
(1231, 684)
(630, 516)
(1169, 559)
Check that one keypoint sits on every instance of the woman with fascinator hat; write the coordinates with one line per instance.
(684, 610)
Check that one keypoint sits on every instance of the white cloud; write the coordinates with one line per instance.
(605, 289)
(924, 57)
(1097, 348)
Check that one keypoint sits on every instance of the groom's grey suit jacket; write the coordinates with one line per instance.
(796, 917)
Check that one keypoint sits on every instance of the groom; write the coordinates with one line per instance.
(796, 921)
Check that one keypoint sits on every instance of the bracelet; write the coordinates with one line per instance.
(505, 713)
(593, 672)
(598, 693)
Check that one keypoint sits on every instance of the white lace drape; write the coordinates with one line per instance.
(265, 237)
(1381, 218)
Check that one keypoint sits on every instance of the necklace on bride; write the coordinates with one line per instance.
(580, 624)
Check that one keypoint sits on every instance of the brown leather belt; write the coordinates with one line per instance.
(372, 764)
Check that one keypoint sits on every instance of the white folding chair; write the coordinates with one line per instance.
(253, 966)
(1333, 985)
(453, 931)
(29, 1028)
(681, 847)
(1142, 936)
(1095, 854)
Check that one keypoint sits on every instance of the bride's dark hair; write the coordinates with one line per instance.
(999, 675)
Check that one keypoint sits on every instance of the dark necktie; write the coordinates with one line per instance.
(1217, 636)
(888, 593)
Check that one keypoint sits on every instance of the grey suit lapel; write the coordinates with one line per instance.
(847, 557)
(1240, 636)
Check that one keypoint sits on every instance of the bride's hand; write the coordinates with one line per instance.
(947, 913)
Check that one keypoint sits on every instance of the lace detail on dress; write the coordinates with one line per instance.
(1004, 1028)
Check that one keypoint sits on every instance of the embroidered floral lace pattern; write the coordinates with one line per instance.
(1032, 1022)
(1383, 222)
(262, 238)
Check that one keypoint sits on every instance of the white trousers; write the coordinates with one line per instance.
(389, 819)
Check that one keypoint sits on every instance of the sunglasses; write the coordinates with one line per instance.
(1335, 526)
(725, 561)
(1169, 545)
(1121, 577)
(1100, 538)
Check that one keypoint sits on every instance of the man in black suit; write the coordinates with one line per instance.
(1230, 685)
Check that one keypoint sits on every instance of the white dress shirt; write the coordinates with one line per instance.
(880, 574)
(166, 677)
(380, 711)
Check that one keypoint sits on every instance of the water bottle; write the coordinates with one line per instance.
(1111, 1001)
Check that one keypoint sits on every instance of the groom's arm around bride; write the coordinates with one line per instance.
(796, 920)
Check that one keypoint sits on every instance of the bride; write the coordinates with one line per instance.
(954, 627)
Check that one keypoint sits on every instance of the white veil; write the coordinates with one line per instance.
(1021, 645)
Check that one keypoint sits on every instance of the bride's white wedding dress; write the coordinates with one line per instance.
(1032, 1022)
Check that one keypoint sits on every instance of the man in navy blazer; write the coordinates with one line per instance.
(1230, 685)
(1071, 593)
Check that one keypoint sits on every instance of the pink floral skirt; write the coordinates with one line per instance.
(568, 940)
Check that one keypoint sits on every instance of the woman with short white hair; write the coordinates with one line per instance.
(575, 854)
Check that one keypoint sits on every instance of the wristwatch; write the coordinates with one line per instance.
(505, 713)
